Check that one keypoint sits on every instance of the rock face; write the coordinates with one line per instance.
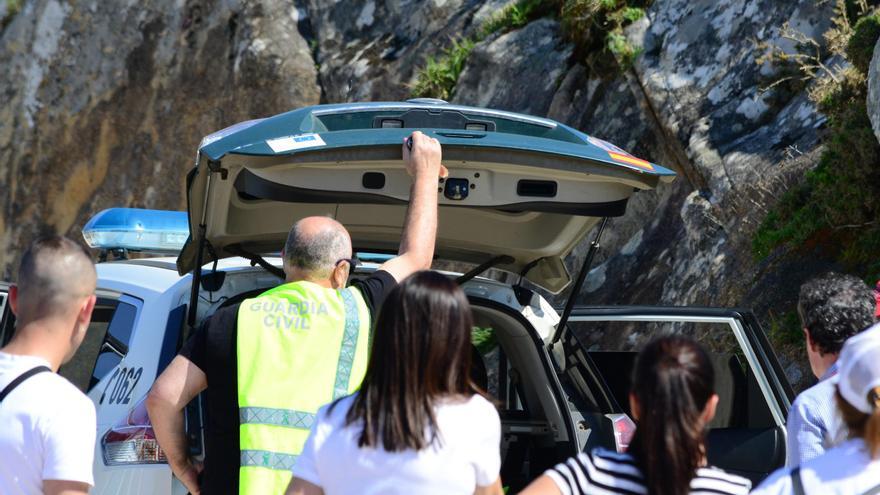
(516, 71)
(874, 91)
(105, 103)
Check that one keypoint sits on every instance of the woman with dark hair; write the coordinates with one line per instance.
(418, 424)
(853, 467)
(672, 401)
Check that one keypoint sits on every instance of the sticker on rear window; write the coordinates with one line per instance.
(295, 142)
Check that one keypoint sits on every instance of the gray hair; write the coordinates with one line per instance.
(316, 253)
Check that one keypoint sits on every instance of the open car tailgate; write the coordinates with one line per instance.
(519, 186)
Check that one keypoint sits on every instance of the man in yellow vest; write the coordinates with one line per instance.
(270, 362)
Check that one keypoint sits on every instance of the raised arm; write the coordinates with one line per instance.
(420, 228)
(179, 384)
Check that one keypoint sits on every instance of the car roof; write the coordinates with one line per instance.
(158, 274)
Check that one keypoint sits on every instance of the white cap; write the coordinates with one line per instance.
(859, 368)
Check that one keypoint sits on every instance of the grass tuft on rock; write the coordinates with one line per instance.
(594, 26)
(440, 75)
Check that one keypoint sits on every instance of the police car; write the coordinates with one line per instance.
(521, 193)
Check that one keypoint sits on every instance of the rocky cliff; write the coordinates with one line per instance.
(104, 103)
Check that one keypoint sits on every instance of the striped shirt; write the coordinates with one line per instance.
(605, 472)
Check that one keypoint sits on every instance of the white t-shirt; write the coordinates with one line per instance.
(469, 455)
(47, 429)
(845, 470)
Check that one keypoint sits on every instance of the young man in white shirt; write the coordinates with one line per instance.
(47, 438)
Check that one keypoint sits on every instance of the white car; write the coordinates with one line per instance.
(522, 192)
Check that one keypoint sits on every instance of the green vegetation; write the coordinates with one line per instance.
(439, 76)
(785, 330)
(860, 47)
(13, 7)
(594, 26)
(514, 16)
(484, 339)
(837, 206)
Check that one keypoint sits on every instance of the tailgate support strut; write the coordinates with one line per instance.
(200, 248)
(579, 282)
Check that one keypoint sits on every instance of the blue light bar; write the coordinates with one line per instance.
(133, 229)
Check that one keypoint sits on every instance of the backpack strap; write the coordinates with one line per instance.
(797, 484)
(20, 378)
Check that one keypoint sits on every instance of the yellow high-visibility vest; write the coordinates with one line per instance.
(299, 347)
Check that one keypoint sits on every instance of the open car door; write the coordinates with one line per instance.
(7, 319)
(747, 436)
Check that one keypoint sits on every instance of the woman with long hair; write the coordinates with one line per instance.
(418, 424)
(672, 401)
(853, 467)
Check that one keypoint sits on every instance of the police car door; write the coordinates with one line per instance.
(747, 436)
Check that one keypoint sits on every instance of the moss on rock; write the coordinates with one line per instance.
(860, 48)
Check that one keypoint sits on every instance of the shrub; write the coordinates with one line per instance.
(860, 47)
(596, 27)
(836, 208)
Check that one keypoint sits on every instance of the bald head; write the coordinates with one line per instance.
(315, 244)
(54, 275)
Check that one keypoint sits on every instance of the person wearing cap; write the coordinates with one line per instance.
(853, 467)
(832, 307)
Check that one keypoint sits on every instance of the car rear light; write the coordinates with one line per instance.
(624, 429)
(132, 441)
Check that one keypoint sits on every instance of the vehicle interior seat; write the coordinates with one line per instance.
(616, 368)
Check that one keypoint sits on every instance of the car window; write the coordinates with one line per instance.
(492, 371)
(121, 326)
(612, 347)
(79, 369)
(105, 344)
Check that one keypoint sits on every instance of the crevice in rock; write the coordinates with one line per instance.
(231, 31)
(667, 138)
(307, 31)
